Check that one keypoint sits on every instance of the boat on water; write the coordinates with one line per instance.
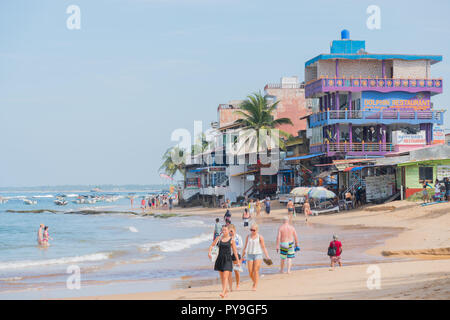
(61, 201)
(29, 202)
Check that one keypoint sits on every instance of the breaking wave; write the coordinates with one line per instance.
(39, 263)
(176, 244)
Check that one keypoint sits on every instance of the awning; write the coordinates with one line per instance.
(243, 173)
(355, 168)
(197, 170)
(305, 157)
(325, 174)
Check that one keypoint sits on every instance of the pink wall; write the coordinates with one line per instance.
(292, 105)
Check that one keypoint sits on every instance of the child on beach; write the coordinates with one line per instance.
(425, 196)
(245, 217)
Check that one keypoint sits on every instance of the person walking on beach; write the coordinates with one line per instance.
(217, 229)
(258, 207)
(237, 267)
(224, 262)
(143, 205)
(306, 208)
(286, 238)
(290, 208)
(131, 200)
(251, 208)
(254, 247)
(267, 203)
(334, 252)
(246, 217)
(227, 217)
(39, 235)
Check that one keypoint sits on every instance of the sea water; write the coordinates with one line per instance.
(123, 253)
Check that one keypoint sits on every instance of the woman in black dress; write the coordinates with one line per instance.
(224, 262)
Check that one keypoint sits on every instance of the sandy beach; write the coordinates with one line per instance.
(424, 243)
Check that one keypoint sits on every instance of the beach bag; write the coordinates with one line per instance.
(214, 252)
(332, 251)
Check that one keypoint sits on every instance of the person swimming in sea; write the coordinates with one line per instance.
(39, 235)
(46, 237)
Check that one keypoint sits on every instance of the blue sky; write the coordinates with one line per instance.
(98, 105)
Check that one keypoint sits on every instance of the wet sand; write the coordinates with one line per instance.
(424, 238)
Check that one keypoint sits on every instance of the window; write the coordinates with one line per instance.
(425, 174)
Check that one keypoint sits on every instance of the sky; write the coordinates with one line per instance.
(98, 105)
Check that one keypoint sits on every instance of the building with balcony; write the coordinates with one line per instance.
(370, 105)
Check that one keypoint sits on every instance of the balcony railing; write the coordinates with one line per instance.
(385, 116)
(363, 84)
(354, 147)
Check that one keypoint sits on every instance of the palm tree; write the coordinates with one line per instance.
(256, 116)
(173, 162)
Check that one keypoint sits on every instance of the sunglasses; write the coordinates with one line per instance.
(253, 230)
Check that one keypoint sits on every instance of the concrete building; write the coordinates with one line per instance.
(371, 104)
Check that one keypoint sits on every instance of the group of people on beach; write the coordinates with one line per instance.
(231, 252)
(441, 191)
(158, 201)
(253, 205)
(43, 236)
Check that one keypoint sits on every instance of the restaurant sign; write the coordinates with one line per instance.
(401, 138)
(395, 100)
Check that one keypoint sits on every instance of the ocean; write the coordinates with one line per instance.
(120, 252)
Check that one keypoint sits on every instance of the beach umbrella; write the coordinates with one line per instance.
(300, 191)
(321, 193)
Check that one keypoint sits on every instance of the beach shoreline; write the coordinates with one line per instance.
(422, 242)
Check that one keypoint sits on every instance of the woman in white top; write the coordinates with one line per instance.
(239, 243)
(254, 246)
